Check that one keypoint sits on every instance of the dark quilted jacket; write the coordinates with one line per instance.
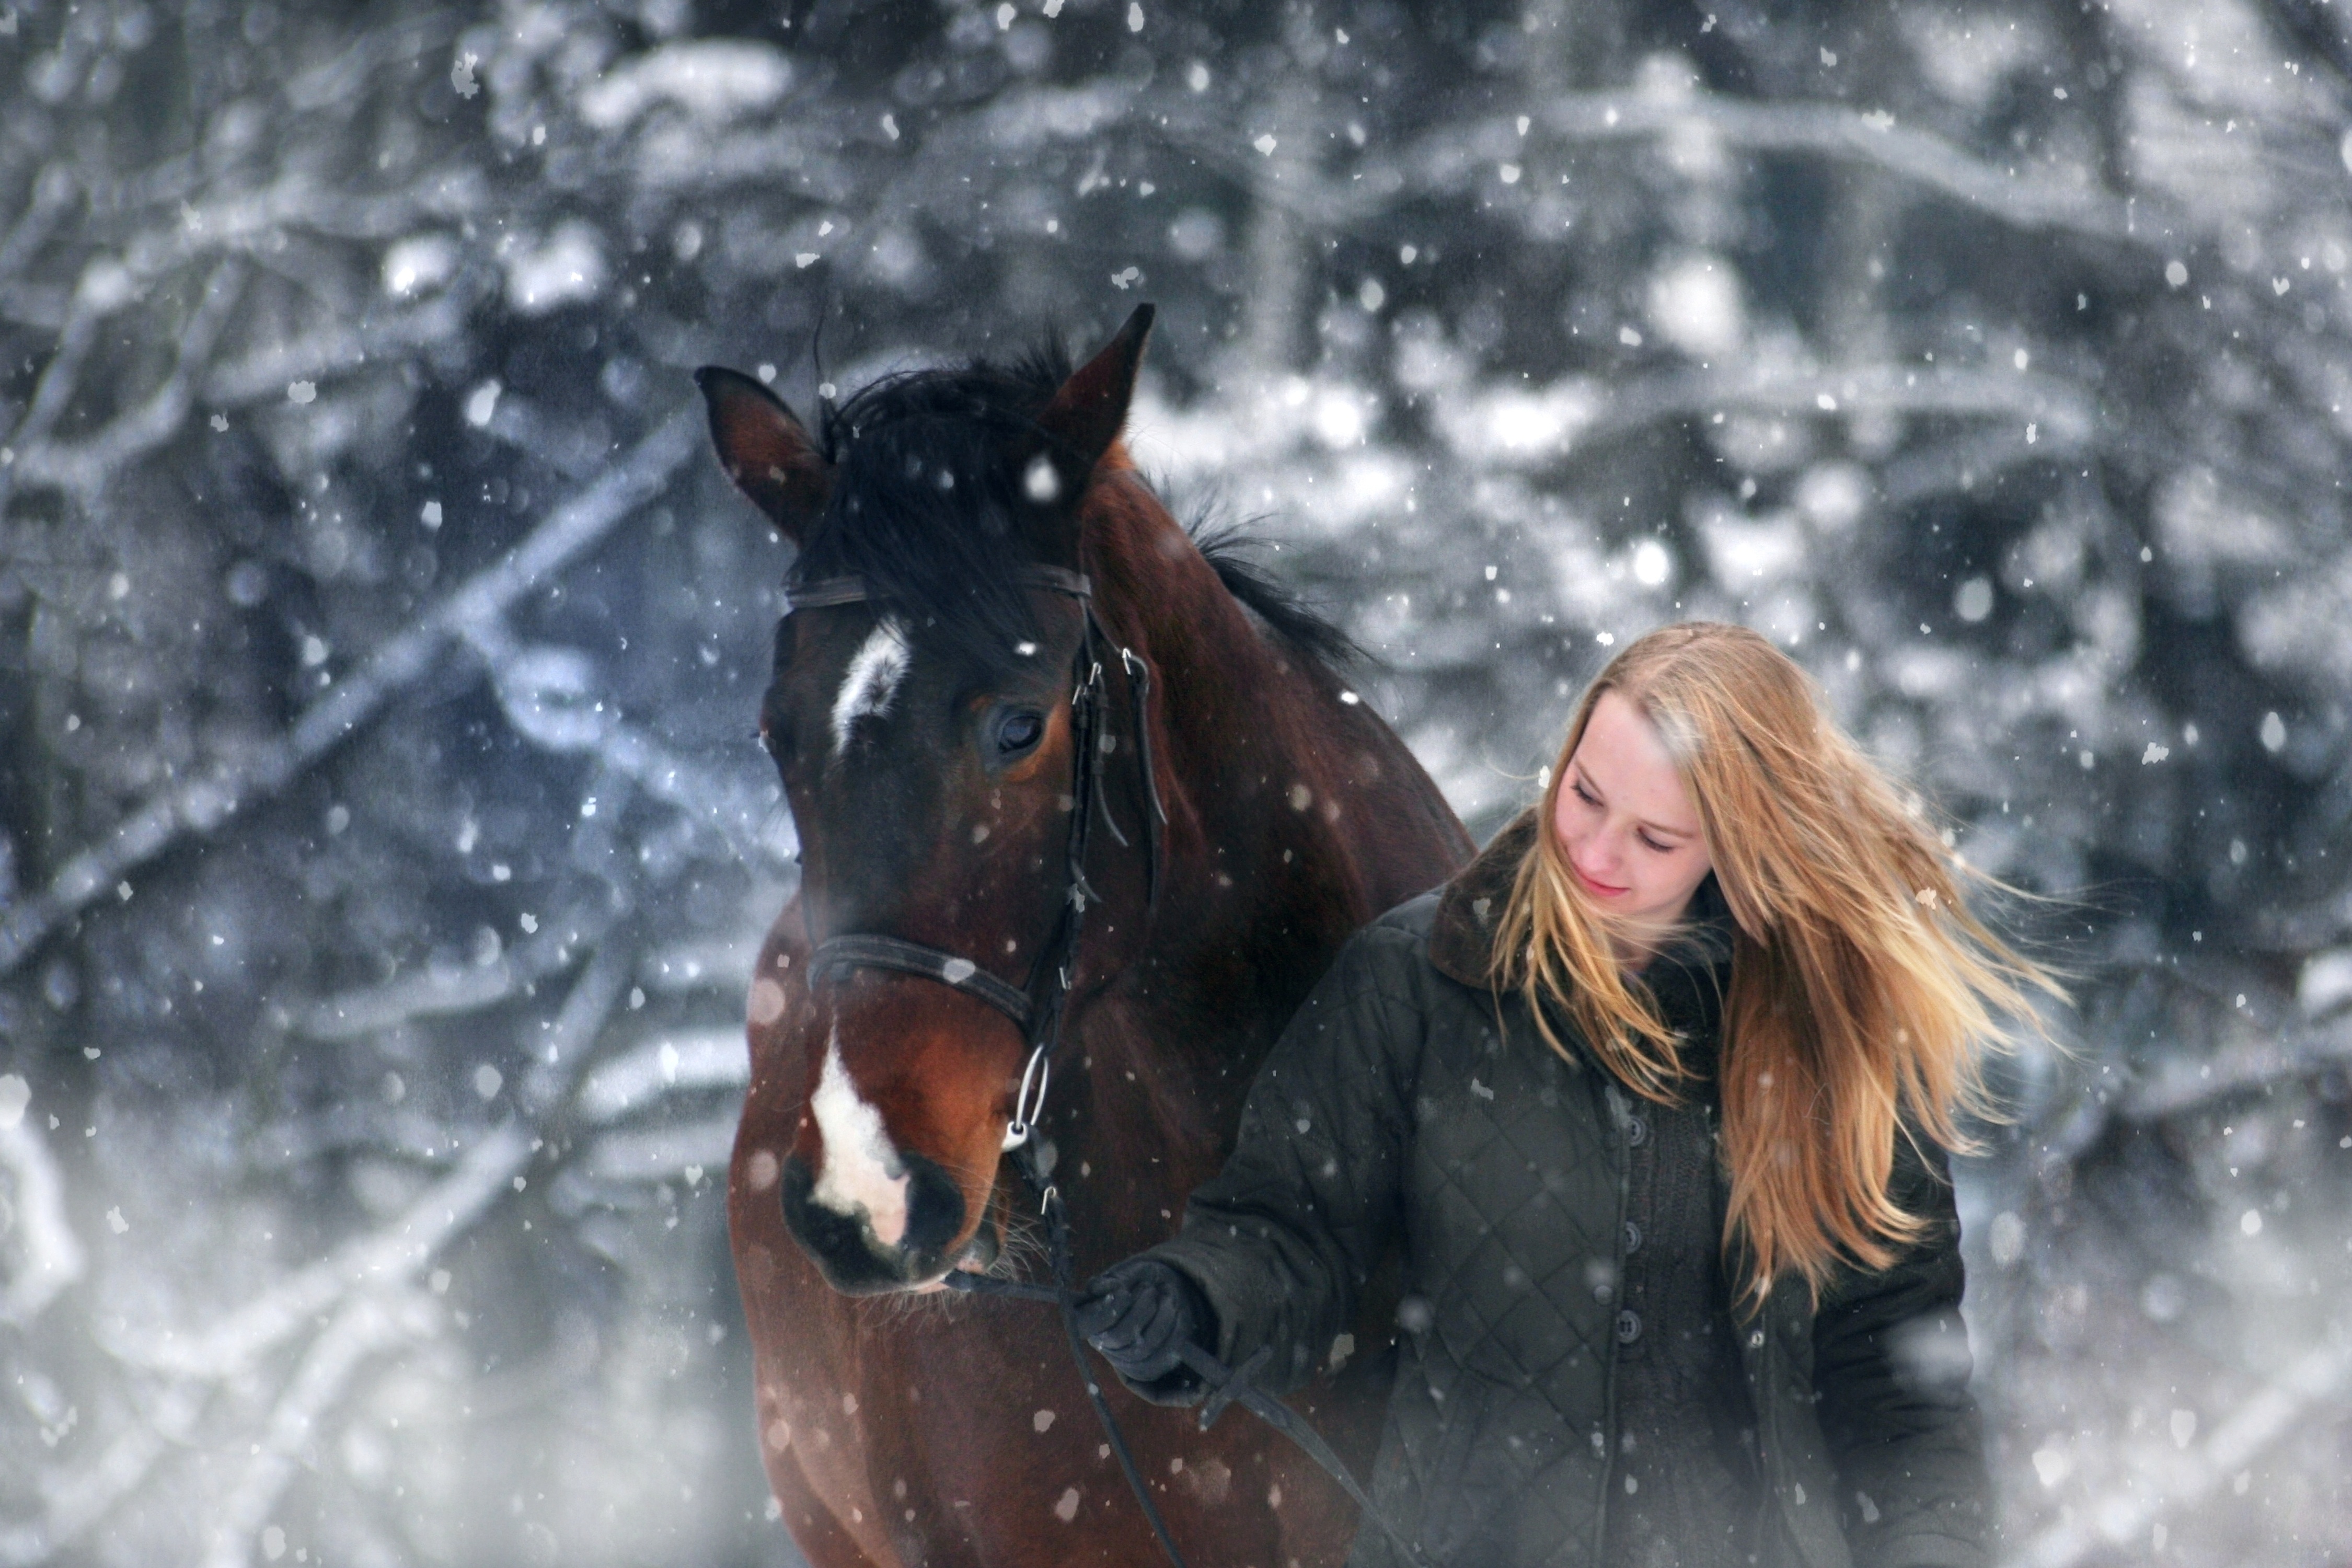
(1393, 1110)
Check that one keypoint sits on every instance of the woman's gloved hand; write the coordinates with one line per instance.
(1137, 1313)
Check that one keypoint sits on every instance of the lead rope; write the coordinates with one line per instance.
(1053, 978)
(1226, 1385)
(1065, 1299)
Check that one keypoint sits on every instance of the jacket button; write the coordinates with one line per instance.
(1629, 1327)
(1637, 1131)
(1632, 1236)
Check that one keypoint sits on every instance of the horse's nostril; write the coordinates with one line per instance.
(844, 1245)
(828, 1237)
(934, 1209)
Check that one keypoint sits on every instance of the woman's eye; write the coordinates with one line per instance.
(1651, 843)
(1019, 733)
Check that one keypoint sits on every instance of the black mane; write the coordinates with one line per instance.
(1226, 547)
(892, 521)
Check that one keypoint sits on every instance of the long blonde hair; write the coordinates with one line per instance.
(1863, 990)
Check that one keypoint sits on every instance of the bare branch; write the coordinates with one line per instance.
(367, 1325)
(1977, 455)
(50, 1255)
(701, 964)
(545, 696)
(1449, 158)
(2060, 412)
(2182, 1085)
(656, 1154)
(1875, 140)
(433, 991)
(333, 345)
(402, 1247)
(572, 451)
(85, 466)
(704, 1060)
(563, 1052)
(340, 81)
(366, 1282)
(1512, 426)
(380, 1264)
(380, 1129)
(236, 225)
(53, 192)
(395, 1253)
(202, 805)
(104, 288)
(86, 1497)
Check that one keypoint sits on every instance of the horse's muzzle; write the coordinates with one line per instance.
(844, 1247)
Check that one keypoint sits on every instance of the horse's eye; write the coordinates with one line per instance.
(1019, 731)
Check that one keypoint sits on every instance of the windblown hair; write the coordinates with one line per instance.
(1863, 990)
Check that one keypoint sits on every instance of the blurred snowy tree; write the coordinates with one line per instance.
(381, 844)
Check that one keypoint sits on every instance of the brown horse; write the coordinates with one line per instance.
(923, 727)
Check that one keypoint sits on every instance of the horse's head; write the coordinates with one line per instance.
(919, 714)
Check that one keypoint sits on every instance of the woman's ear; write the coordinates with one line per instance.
(765, 450)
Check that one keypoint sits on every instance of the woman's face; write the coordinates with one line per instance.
(1627, 824)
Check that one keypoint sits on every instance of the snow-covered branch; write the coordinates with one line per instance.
(2253, 1059)
(433, 991)
(48, 1255)
(397, 1253)
(2062, 199)
(2123, 1521)
(364, 1327)
(1464, 153)
(549, 696)
(85, 466)
(1510, 425)
(202, 805)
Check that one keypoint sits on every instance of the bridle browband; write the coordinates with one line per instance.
(1035, 1007)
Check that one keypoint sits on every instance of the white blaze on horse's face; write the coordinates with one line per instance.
(862, 1170)
(871, 681)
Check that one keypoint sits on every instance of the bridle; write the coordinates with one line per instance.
(1036, 1008)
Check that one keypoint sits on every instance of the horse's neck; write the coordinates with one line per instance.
(1277, 846)
(1245, 720)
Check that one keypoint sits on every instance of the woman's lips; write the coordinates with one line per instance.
(1599, 889)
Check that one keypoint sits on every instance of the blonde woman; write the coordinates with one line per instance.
(1655, 1099)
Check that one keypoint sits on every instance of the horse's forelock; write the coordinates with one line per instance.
(925, 507)
(947, 557)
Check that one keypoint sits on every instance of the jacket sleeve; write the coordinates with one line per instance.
(1281, 1240)
(1891, 1368)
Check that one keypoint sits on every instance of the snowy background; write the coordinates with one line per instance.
(383, 843)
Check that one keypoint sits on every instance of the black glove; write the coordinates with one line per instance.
(1137, 1313)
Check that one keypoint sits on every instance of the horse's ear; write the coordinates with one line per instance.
(1085, 417)
(765, 450)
